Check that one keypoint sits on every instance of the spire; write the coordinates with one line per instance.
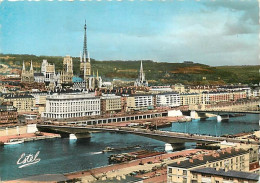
(141, 67)
(23, 66)
(80, 56)
(85, 51)
(88, 57)
(84, 74)
(97, 74)
(141, 74)
(31, 68)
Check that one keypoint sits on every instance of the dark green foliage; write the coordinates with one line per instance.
(156, 72)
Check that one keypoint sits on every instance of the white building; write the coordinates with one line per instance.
(140, 102)
(72, 105)
(39, 77)
(160, 89)
(48, 70)
(168, 99)
(256, 92)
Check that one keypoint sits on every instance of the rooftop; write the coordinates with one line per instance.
(168, 93)
(72, 96)
(203, 159)
(229, 173)
(12, 96)
(38, 74)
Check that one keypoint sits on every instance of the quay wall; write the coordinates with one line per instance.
(13, 131)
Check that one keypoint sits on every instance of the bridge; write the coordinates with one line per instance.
(165, 136)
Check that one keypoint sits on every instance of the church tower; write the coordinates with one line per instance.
(27, 76)
(141, 78)
(67, 73)
(85, 66)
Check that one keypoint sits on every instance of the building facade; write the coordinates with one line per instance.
(228, 159)
(23, 102)
(72, 105)
(110, 104)
(139, 102)
(160, 89)
(48, 70)
(190, 98)
(216, 175)
(168, 99)
(39, 77)
(8, 114)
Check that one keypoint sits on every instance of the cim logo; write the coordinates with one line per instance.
(27, 160)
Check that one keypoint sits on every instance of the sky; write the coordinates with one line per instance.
(221, 32)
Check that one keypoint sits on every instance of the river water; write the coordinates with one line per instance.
(64, 155)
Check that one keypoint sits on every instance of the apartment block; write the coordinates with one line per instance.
(228, 159)
(110, 104)
(23, 102)
(171, 99)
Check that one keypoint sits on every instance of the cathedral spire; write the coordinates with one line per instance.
(31, 68)
(84, 72)
(80, 56)
(23, 66)
(141, 73)
(88, 57)
(85, 51)
(141, 67)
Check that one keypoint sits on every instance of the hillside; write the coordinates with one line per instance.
(156, 72)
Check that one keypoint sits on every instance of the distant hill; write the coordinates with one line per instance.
(156, 72)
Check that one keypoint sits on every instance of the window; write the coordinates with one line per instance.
(170, 170)
(184, 180)
(184, 172)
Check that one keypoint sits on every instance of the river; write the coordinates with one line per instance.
(64, 155)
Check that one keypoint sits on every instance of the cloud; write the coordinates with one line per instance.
(249, 9)
(234, 28)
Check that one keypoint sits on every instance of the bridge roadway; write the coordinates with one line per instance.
(165, 136)
(228, 111)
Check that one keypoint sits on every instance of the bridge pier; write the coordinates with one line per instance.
(82, 135)
(177, 146)
(72, 136)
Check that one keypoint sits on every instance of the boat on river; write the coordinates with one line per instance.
(14, 141)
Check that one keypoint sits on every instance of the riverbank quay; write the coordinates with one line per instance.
(28, 137)
(122, 170)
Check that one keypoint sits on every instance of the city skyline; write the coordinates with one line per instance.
(212, 33)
